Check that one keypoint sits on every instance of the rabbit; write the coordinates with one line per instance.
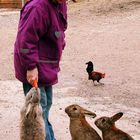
(80, 129)
(32, 126)
(109, 130)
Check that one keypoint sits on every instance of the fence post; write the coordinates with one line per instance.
(22, 1)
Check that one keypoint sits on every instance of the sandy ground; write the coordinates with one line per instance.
(107, 34)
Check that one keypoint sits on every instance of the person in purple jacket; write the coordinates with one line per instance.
(38, 49)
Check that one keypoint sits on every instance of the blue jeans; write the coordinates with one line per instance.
(46, 102)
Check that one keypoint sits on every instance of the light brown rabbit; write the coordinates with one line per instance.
(32, 125)
(79, 127)
(109, 130)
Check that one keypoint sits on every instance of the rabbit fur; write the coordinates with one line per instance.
(32, 126)
(109, 130)
(80, 129)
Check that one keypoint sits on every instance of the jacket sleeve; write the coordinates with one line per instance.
(64, 15)
(32, 26)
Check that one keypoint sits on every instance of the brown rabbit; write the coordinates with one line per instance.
(79, 127)
(32, 125)
(109, 130)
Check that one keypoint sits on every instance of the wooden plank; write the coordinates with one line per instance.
(11, 3)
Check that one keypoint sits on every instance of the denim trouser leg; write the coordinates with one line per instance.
(46, 102)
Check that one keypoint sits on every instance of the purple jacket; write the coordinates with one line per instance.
(40, 40)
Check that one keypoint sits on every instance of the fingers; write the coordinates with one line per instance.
(35, 84)
(32, 77)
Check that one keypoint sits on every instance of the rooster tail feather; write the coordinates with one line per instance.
(103, 75)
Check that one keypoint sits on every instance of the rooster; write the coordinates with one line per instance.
(94, 75)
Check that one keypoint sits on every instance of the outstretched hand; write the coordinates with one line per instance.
(32, 75)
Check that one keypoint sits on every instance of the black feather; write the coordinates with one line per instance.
(90, 67)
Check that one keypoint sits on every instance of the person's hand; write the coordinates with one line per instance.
(32, 75)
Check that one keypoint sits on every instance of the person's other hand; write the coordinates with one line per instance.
(32, 75)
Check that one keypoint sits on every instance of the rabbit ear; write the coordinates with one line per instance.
(28, 110)
(116, 117)
(87, 112)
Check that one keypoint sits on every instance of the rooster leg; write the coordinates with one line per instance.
(95, 84)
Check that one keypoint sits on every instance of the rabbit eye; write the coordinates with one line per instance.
(103, 120)
(31, 96)
(74, 108)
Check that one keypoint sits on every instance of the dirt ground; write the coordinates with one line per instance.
(105, 32)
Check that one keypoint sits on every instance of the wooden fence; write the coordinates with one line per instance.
(11, 3)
